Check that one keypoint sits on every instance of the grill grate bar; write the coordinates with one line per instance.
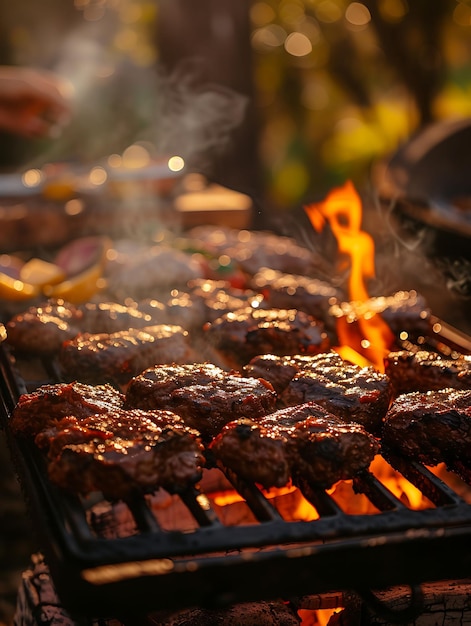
(198, 505)
(263, 510)
(145, 520)
(379, 495)
(430, 485)
(320, 499)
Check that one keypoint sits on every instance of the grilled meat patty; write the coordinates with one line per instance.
(293, 291)
(41, 330)
(402, 311)
(253, 250)
(48, 404)
(121, 451)
(117, 357)
(353, 393)
(279, 370)
(111, 317)
(205, 396)
(431, 426)
(305, 442)
(246, 333)
(426, 371)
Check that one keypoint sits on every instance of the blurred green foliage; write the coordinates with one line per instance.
(340, 84)
(337, 84)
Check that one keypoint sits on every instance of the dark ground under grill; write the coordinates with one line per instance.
(16, 535)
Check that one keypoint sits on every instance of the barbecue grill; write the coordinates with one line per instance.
(213, 564)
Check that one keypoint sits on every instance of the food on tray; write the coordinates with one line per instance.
(78, 288)
(75, 273)
(240, 335)
(431, 426)
(116, 357)
(15, 290)
(427, 371)
(349, 391)
(303, 442)
(205, 396)
(48, 404)
(42, 273)
(119, 452)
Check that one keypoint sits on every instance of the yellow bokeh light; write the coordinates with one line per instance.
(98, 175)
(261, 13)
(32, 177)
(298, 45)
(136, 156)
(176, 164)
(357, 14)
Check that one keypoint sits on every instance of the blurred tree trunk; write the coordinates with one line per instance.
(208, 43)
(413, 47)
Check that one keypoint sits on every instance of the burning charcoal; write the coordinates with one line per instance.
(402, 311)
(204, 395)
(431, 426)
(243, 334)
(426, 371)
(117, 357)
(304, 441)
(48, 404)
(351, 392)
(122, 451)
(246, 614)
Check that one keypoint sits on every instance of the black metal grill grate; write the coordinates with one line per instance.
(214, 564)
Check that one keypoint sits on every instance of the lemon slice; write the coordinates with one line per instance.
(39, 272)
(17, 290)
(79, 288)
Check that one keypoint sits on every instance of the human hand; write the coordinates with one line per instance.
(32, 102)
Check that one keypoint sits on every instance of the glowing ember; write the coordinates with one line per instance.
(369, 336)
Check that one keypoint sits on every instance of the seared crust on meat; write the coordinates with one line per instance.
(243, 334)
(279, 370)
(402, 311)
(353, 393)
(305, 442)
(111, 317)
(122, 451)
(205, 396)
(426, 371)
(431, 426)
(356, 394)
(219, 297)
(152, 388)
(117, 357)
(293, 291)
(42, 329)
(48, 404)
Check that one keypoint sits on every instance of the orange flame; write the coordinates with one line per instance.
(342, 208)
